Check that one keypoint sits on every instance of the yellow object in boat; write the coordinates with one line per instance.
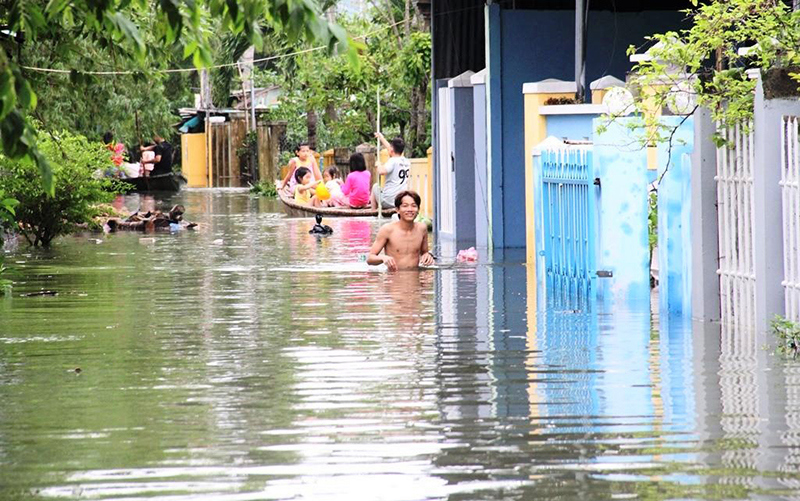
(322, 192)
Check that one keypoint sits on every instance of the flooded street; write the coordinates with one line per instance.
(251, 360)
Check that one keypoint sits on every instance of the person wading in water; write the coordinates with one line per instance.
(404, 242)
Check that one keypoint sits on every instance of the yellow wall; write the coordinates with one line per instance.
(535, 133)
(193, 160)
(421, 181)
(328, 159)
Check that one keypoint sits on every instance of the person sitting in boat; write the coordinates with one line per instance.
(396, 171)
(404, 243)
(147, 162)
(161, 161)
(305, 159)
(334, 185)
(304, 186)
(356, 186)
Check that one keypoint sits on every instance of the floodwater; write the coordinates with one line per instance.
(251, 360)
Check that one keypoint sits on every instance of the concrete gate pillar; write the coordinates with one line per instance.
(705, 234)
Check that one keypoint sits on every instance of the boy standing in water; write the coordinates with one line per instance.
(404, 242)
(396, 171)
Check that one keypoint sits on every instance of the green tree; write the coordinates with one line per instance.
(703, 65)
(74, 160)
(334, 104)
(132, 105)
(186, 24)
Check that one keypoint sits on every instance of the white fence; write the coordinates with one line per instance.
(790, 191)
(736, 271)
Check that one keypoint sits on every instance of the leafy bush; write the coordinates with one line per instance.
(5, 285)
(652, 220)
(265, 187)
(788, 334)
(6, 220)
(41, 217)
(6, 211)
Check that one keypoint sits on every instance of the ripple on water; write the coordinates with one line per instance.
(251, 360)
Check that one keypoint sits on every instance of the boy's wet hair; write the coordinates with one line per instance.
(357, 163)
(108, 137)
(398, 145)
(300, 145)
(300, 173)
(398, 200)
(332, 171)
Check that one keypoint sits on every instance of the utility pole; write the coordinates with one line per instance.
(205, 90)
(580, 49)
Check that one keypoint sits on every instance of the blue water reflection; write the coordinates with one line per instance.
(271, 366)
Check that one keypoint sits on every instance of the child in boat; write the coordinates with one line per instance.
(356, 187)
(334, 185)
(304, 158)
(304, 186)
(146, 162)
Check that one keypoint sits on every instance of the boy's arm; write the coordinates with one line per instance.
(425, 256)
(385, 169)
(380, 243)
(383, 140)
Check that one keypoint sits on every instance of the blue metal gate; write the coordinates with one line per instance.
(565, 225)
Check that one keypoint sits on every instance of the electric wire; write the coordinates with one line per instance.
(213, 67)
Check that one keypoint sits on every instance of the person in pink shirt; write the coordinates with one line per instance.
(357, 186)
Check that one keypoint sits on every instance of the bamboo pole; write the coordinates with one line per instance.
(378, 154)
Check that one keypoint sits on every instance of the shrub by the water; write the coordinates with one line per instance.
(6, 220)
(40, 217)
(265, 188)
(788, 334)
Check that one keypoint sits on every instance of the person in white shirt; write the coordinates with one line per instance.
(396, 171)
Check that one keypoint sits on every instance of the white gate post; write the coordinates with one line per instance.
(705, 238)
(768, 217)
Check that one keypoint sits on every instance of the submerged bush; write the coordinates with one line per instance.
(6, 221)
(788, 334)
(265, 187)
(40, 217)
(5, 284)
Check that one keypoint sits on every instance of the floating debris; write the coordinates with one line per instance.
(151, 221)
(39, 293)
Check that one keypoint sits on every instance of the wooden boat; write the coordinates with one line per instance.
(171, 182)
(293, 209)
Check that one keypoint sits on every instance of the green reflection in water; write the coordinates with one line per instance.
(224, 364)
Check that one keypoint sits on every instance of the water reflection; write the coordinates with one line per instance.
(251, 360)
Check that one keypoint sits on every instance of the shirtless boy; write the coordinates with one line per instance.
(404, 242)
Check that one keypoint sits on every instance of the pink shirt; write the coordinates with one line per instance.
(357, 188)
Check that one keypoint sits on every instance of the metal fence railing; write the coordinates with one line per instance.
(790, 192)
(567, 221)
(736, 270)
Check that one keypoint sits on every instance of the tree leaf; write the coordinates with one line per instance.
(127, 29)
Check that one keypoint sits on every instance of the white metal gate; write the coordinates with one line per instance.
(735, 218)
(446, 195)
(790, 191)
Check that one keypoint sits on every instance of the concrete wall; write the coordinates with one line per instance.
(482, 234)
(622, 227)
(674, 219)
(464, 155)
(570, 126)
(455, 188)
(528, 46)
